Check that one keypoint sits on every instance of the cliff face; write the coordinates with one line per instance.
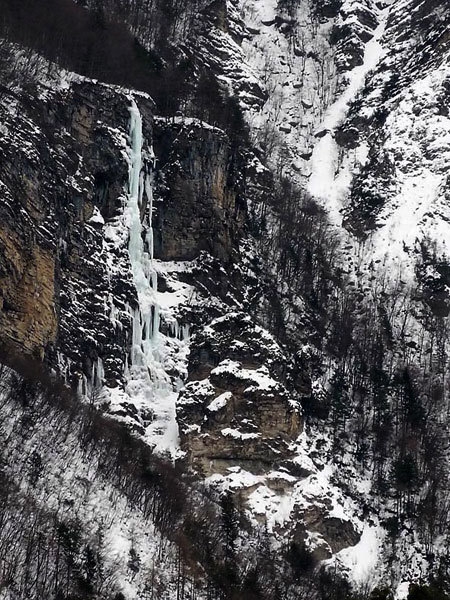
(234, 409)
(65, 265)
(260, 297)
(63, 176)
(28, 317)
(199, 208)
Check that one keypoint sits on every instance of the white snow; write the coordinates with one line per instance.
(259, 379)
(401, 593)
(362, 559)
(96, 218)
(219, 402)
(418, 210)
(235, 478)
(239, 435)
(327, 183)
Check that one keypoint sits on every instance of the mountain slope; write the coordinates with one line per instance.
(248, 269)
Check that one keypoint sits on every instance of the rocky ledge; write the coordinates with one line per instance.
(235, 406)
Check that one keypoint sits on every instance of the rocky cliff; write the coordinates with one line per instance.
(249, 270)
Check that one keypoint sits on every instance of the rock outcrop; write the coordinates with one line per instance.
(199, 207)
(27, 283)
(235, 408)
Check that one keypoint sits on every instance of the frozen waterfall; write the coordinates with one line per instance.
(140, 201)
(150, 387)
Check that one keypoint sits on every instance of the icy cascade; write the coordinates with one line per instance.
(140, 197)
(150, 388)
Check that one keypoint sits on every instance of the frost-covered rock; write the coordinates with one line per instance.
(235, 408)
(65, 169)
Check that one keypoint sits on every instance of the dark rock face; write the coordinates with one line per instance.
(326, 9)
(338, 533)
(64, 187)
(235, 407)
(335, 533)
(199, 207)
(352, 30)
(347, 137)
(241, 340)
(434, 279)
(217, 11)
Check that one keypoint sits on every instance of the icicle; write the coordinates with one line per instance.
(136, 354)
(149, 192)
(100, 373)
(112, 312)
(185, 333)
(156, 321)
(85, 386)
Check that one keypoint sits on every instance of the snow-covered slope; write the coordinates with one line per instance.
(319, 120)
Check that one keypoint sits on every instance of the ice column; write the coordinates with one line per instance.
(140, 196)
